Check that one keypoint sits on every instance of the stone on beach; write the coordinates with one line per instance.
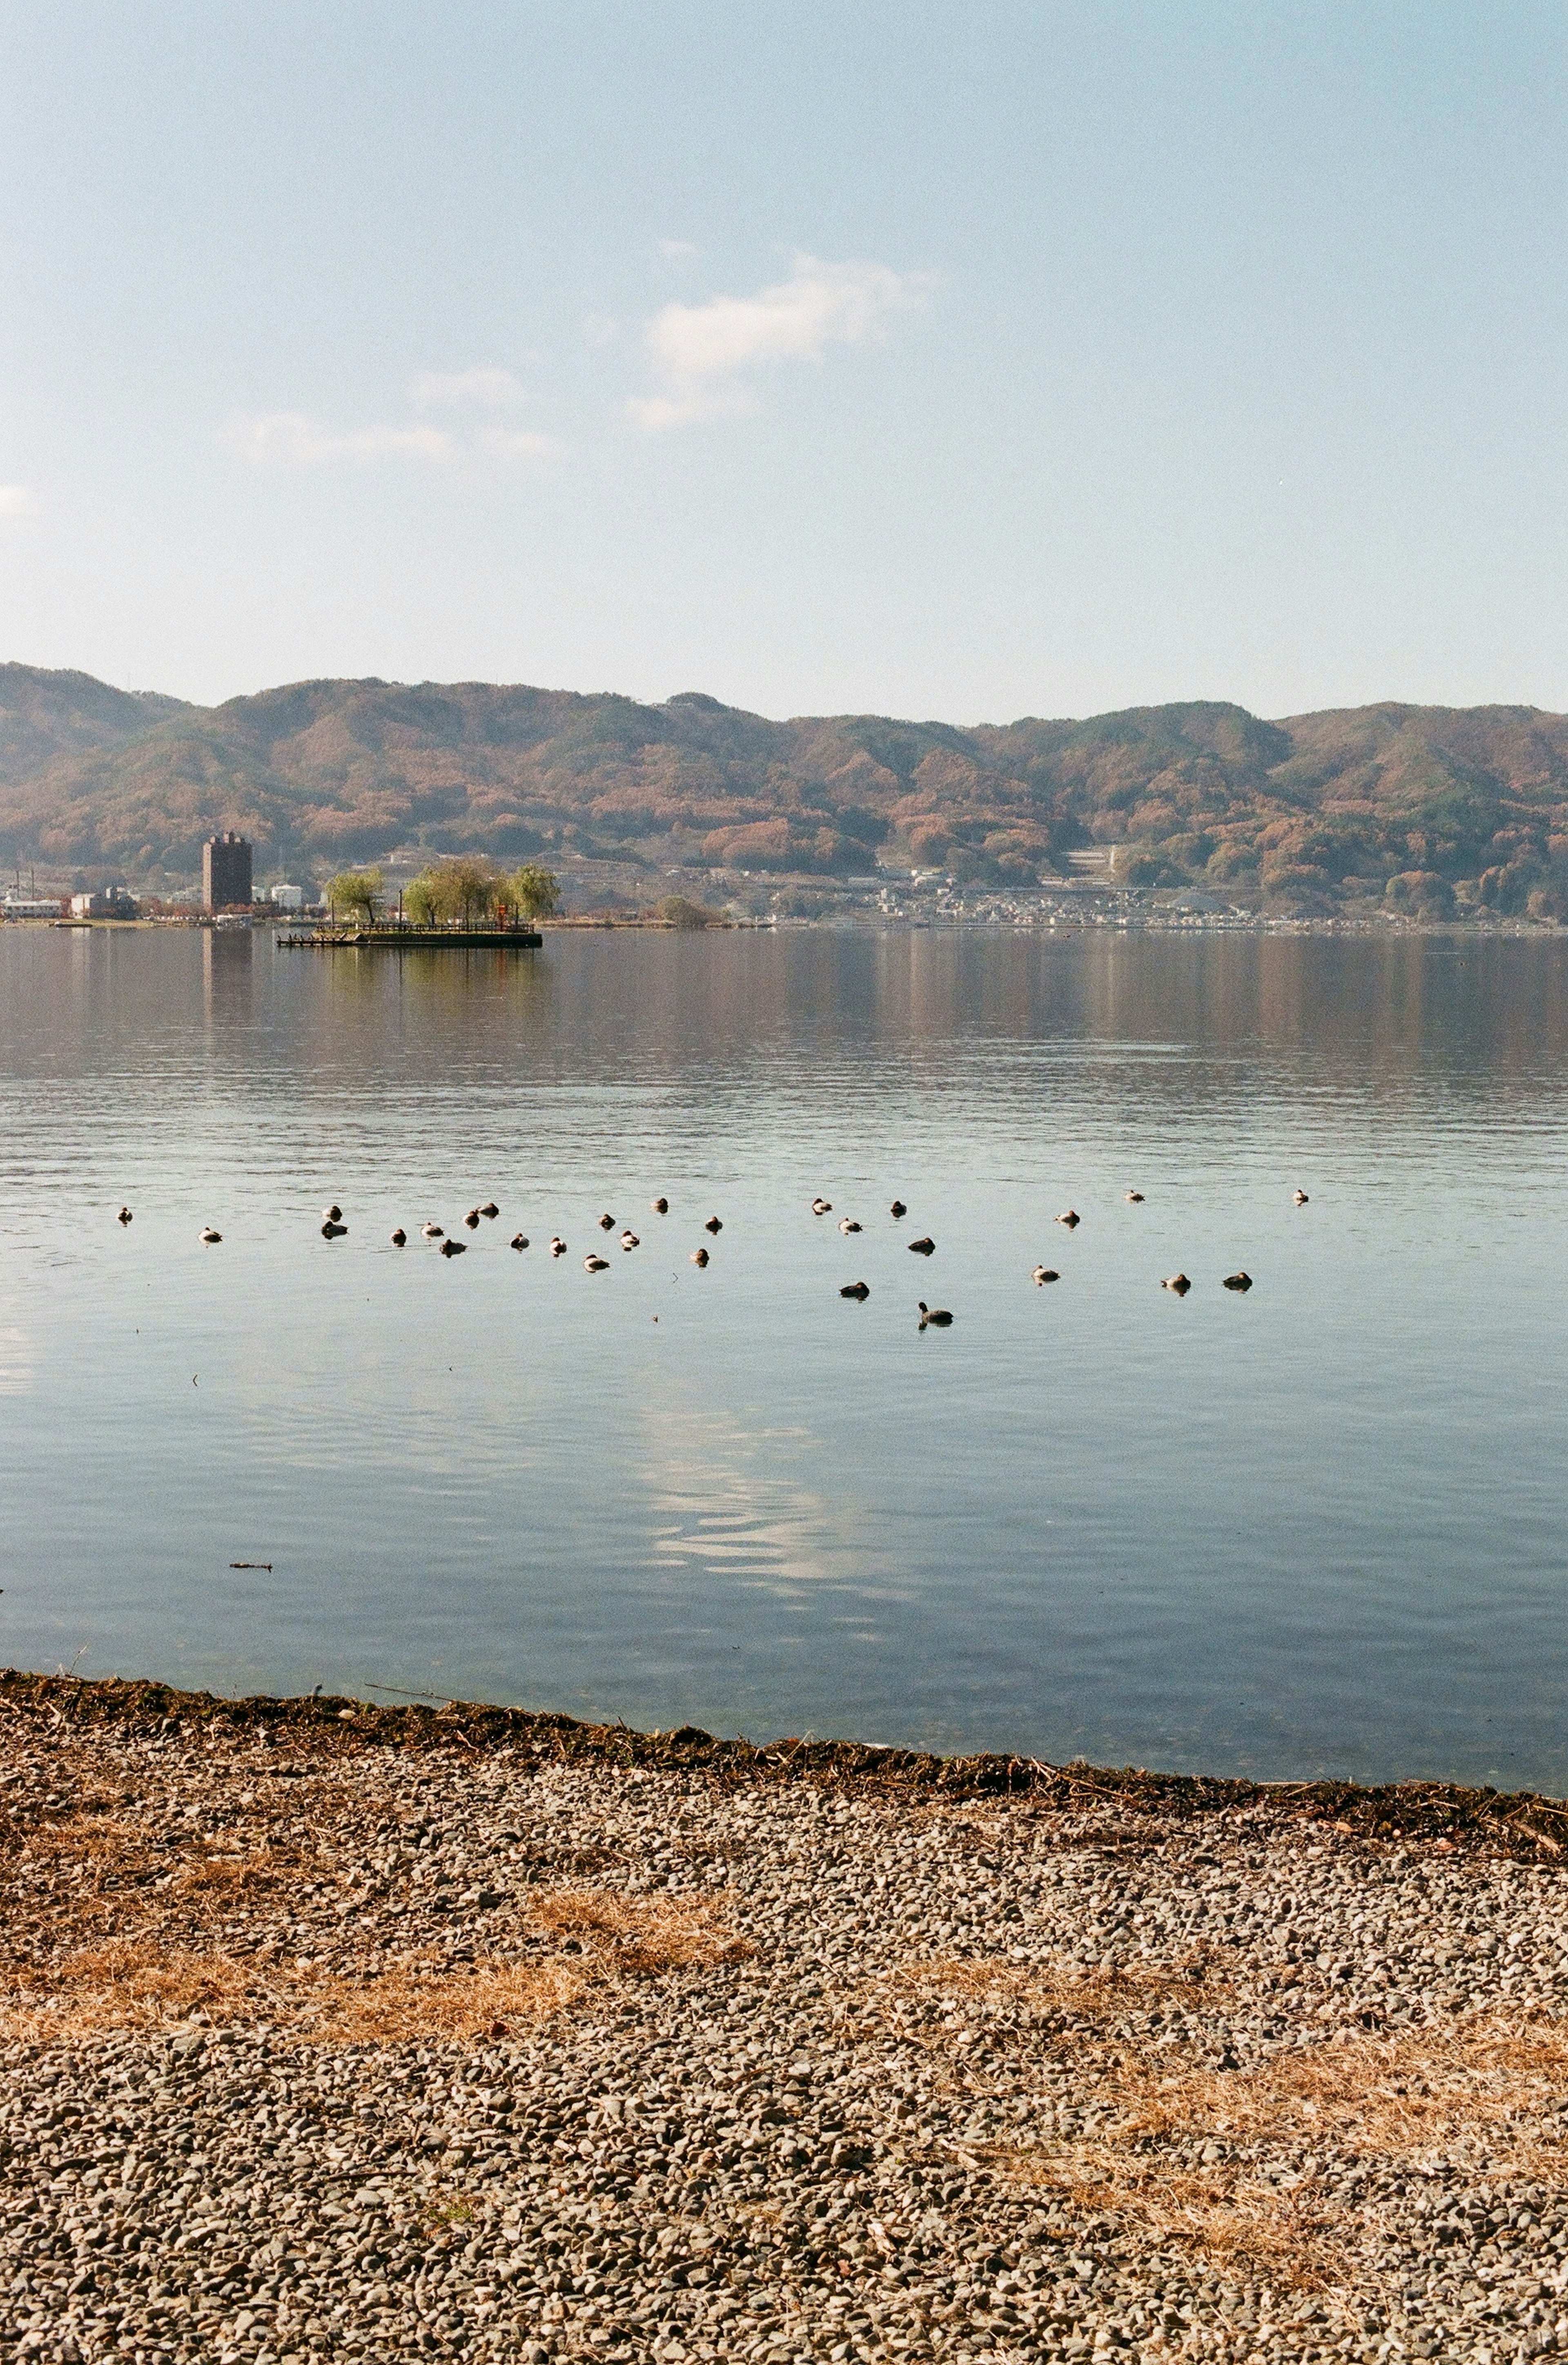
(334, 2030)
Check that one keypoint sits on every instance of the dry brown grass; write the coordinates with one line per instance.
(127, 1984)
(134, 1984)
(493, 1999)
(644, 1934)
(138, 1981)
(1485, 2093)
(98, 1844)
(1295, 2238)
(1490, 2088)
(227, 1881)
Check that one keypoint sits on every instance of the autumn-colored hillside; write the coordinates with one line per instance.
(1398, 803)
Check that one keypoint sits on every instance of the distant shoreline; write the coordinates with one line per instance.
(1143, 924)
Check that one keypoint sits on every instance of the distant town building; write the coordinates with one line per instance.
(287, 899)
(29, 907)
(225, 871)
(103, 903)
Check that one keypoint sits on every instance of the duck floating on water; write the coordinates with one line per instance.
(400, 1237)
(848, 1224)
(330, 1231)
(606, 1223)
(659, 1206)
(859, 1289)
(454, 1248)
(713, 1225)
(933, 1315)
(1237, 1281)
(699, 1256)
(821, 1206)
(331, 1215)
(557, 1246)
(1134, 1198)
(1179, 1282)
(124, 1215)
(1042, 1273)
(927, 1247)
(490, 1209)
(472, 1219)
(1069, 1217)
(629, 1242)
(519, 1239)
(431, 1232)
(1300, 1198)
(898, 1208)
(210, 1238)
(596, 1264)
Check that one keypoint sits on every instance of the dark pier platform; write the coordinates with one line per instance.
(415, 940)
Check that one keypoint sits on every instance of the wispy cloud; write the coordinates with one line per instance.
(475, 389)
(16, 500)
(289, 439)
(518, 444)
(474, 399)
(707, 356)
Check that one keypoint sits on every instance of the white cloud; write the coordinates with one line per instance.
(519, 443)
(16, 500)
(705, 354)
(483, 389)
(288, 439)
(291, 439)
(600, 329)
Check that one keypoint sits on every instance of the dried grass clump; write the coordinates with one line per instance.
(129, 1984)
(494, 1999)
(1295, 2238)
(139, 1981)
(1487, 2093)
(92, 1843)
(135, 1984)
(1484, 2085)
(645, 1934)
(228, 1880)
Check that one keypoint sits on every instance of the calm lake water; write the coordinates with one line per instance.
(1316, 1529)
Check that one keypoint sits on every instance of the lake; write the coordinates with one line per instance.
(1319, 1527)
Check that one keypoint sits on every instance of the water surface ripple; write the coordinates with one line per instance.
(1316, 1529)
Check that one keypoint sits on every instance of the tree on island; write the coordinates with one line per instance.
(356, 891)
(533, 892)
(463, 888)
(680, 912)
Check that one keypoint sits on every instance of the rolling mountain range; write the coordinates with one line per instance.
(1405, 803)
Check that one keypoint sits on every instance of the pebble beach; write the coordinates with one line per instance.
(330, 2031)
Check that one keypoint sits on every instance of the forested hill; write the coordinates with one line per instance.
(1308, 811)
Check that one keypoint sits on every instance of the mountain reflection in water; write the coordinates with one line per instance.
(1314, 1528)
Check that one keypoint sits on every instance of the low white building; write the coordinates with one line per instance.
(29, 907)
(103, 903)
(287, 899)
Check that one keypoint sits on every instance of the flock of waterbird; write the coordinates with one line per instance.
(931, 1317)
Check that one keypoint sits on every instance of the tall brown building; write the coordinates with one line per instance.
(225, 871)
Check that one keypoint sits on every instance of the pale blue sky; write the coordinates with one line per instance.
(967, 362)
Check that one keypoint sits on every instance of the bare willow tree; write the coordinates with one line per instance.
(356, 891)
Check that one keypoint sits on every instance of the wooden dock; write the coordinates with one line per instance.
(415, 940)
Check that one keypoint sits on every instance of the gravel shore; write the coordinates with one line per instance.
(325, 2035)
